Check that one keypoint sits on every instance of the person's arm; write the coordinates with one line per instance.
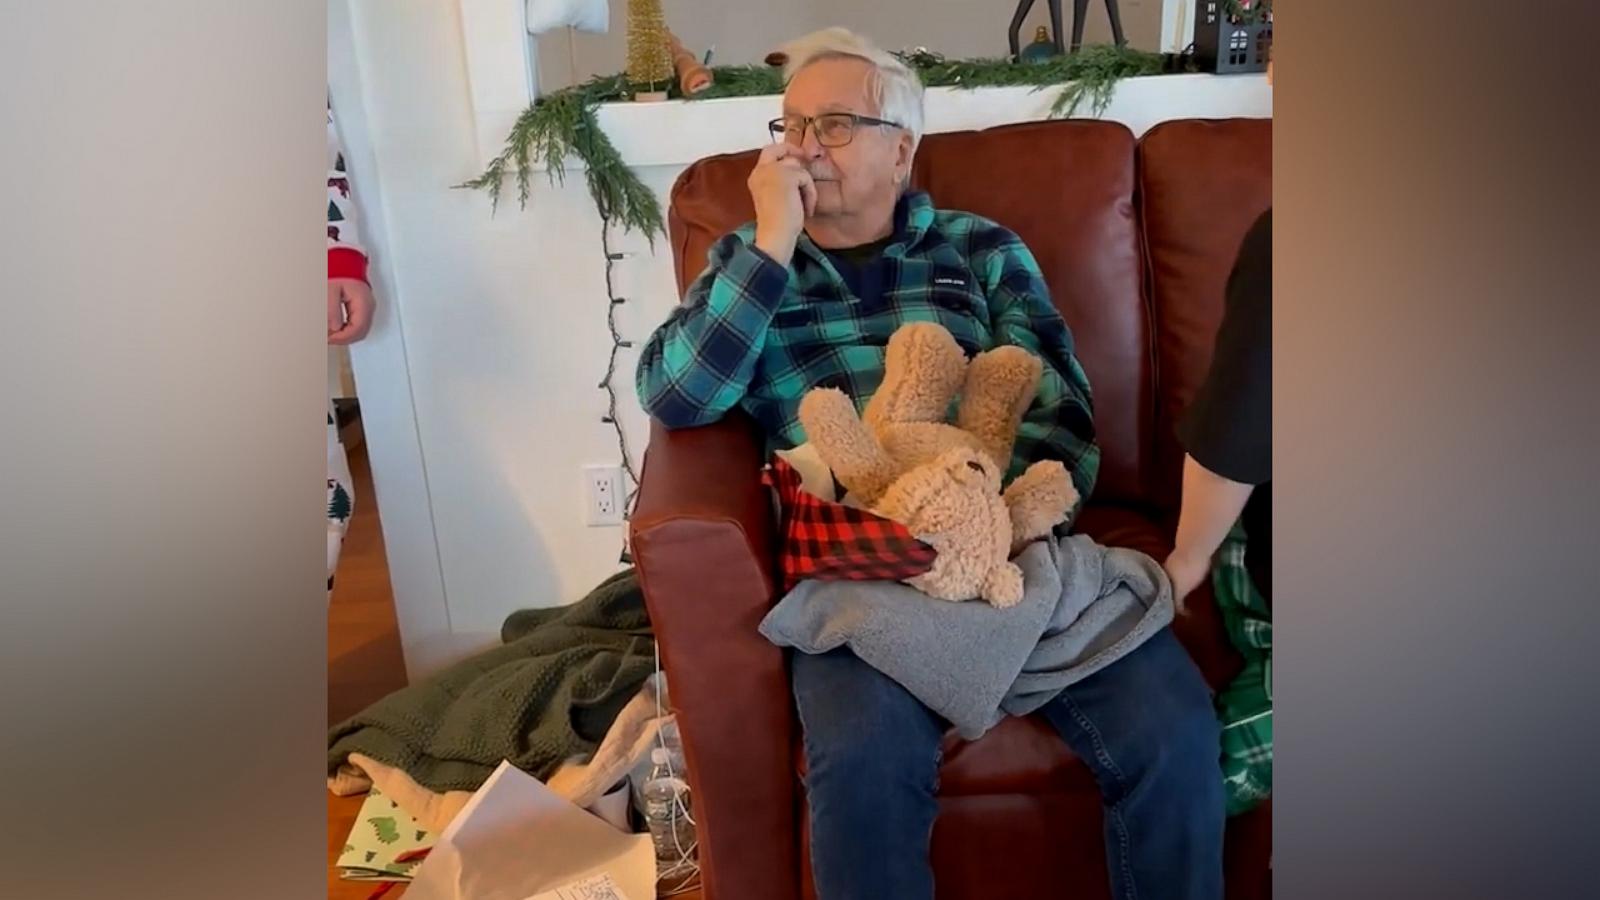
(1227, 430)
(1211, 504)
(1060, 423)
(350, 303)
(699, 363)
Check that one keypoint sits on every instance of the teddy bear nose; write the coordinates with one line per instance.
(975, 466)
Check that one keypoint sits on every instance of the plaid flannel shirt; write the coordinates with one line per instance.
(753, 334)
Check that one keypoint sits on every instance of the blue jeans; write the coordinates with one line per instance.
(1144, 725)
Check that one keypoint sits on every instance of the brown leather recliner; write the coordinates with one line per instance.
(1136, 239)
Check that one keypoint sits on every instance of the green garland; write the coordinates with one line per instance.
(1092, 73)
(563, 123)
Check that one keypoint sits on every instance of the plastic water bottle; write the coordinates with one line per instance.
(674, 744)
(666, 810)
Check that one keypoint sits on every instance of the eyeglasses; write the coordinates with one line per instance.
(831, 129)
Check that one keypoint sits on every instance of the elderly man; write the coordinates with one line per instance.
(840, 255)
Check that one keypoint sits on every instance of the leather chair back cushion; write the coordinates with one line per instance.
(1202, 184)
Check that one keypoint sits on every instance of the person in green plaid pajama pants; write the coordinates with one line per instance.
(1245, 705)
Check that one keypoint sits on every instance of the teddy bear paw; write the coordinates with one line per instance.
(1039, 500)
(1002, 588)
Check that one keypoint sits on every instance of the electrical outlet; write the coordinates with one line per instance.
(604, 495)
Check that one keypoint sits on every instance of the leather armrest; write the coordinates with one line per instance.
(1200, 628)
(703, 540)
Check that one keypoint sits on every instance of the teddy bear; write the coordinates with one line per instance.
(901, 460)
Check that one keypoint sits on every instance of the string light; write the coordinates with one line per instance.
(618, 344)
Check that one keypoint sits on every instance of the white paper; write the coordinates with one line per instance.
(516, 838)
(613, 808)
(600, 887)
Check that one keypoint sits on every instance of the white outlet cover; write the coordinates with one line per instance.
(603, 495)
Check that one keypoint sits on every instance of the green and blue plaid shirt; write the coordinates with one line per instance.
(754, 334)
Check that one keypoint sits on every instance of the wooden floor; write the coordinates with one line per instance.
(364, 657)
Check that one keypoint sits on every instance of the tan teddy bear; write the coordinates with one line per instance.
(902, 461)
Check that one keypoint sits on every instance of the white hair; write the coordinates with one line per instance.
(894, 85)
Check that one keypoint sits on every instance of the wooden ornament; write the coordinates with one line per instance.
(693, 76)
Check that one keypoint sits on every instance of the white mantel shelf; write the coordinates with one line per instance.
(678, 132)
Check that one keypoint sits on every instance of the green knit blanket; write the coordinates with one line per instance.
(548, 693)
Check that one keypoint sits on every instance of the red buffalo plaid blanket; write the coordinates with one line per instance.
(831, 541)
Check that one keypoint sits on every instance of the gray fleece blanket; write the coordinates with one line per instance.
(1083, 607)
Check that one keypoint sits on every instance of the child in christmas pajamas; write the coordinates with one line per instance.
(350, 307)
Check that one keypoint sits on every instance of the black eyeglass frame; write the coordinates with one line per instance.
(777, 127)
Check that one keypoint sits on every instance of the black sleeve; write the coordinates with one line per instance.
(1228, 428)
